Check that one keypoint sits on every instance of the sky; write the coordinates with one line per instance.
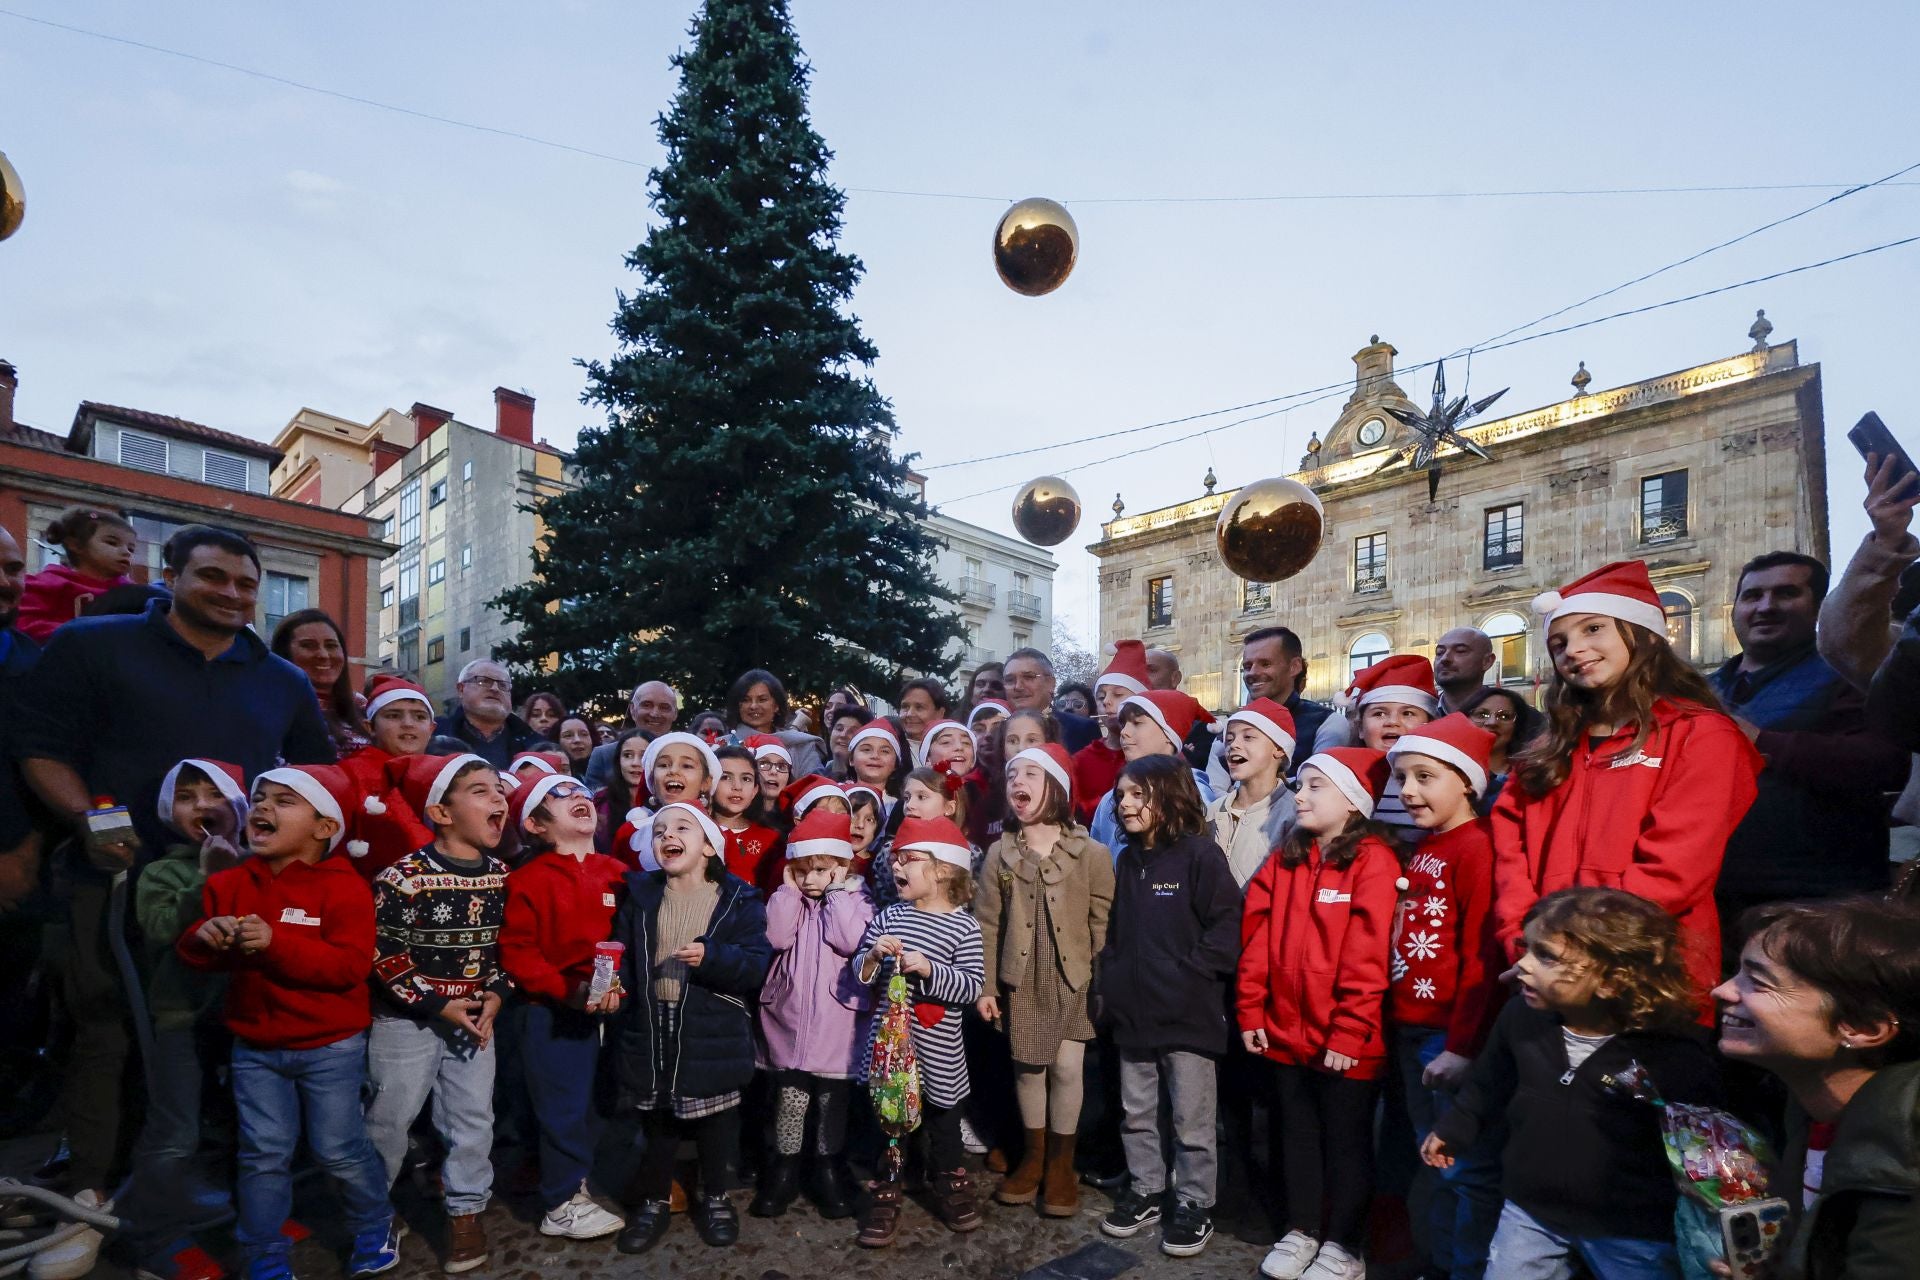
(229, 249)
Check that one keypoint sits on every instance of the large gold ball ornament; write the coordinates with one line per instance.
(1035, 246)
(1046, 511)
(1270, 530)
(13, 198)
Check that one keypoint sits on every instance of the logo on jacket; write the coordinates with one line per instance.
(1332, 895)
(297, 915)
(606, 899)
(1165, 888)
(1636, 757)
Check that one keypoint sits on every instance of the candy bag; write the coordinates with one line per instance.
(893, 1074)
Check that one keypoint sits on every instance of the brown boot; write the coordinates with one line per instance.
(1060, 1190)
(1023, 1184)
(880, 1219)
(466, 1243)
(954, 1201)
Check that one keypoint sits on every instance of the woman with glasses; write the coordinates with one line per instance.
(1503, 713)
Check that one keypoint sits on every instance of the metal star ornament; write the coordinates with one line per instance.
(1438, 425)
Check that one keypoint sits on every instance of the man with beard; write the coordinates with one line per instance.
(485, 719)
(1461, 661)
(1272, 665)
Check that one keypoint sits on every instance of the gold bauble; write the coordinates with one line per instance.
(1270, 529)
(1046, 511)
(1035, 246)
(13, 198)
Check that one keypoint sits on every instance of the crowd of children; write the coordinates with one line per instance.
(717, 937)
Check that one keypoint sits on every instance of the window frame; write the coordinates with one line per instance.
(234, 459)
(145, 438)
(1659, 533)
(410, 512)
(1156, 588)
(1372, 654)
(1512, 538)
(1376, 550)
(437, 572)
(436, 494)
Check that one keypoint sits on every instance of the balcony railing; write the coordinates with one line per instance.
(1023, 604)
(977, 592)
(1364, 583)
(1663, 524)
(973, 655)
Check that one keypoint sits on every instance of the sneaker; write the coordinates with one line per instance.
(1335, 1263)
(377, 1250)
(1186, 1231)
(467, 1246)
(74, 1257)
(581, 1218)
(1131, 1214)
(271, 1266)
(1290, 1259)
(970, 1140)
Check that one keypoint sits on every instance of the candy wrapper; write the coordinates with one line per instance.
(893, 1074)
(606, 970)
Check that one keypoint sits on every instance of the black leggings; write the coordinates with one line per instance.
(945, 1154)
(1327, 1155)
(716, 1137)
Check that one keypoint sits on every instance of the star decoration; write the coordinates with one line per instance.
(1422, 945)
(1437, 426)
(1423, 989)
(1435, 908)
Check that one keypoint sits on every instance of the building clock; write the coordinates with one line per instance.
(1372, 432)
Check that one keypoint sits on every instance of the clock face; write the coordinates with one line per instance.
(1372, 432)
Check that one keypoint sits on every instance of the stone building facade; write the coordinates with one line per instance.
(1694, 472)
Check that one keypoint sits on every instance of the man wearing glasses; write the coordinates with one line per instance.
(485, 720)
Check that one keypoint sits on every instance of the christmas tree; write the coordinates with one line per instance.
(742, 506)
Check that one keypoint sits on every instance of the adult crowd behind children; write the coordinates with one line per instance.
(1133, 925)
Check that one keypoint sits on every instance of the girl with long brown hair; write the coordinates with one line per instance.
(1638, 779)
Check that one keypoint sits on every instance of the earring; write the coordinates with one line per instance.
(1846, 1044)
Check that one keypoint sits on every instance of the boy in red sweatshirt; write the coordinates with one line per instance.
(383, 827)
(293, 929)
(1445, 978)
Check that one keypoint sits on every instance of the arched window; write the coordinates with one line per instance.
(1366, 650)
(1508, 631)
(1679, 610)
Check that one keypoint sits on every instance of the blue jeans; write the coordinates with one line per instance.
(561, 1049)
(409, 1062)
(162, 1193)
(1455, 1210)
(1525, 1250)
(272, 1090)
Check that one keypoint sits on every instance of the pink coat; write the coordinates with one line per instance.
(811, 1005)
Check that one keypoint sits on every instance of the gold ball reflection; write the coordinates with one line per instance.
(1270, 529)
(13, 198)
(1035, 246)
(1046, 511)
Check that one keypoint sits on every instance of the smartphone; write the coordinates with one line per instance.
(1751, 1231)
(1870, 436)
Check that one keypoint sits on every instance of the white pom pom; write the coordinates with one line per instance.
(358, 848)
(1547, 602)
(1345, 699)
(373, 804)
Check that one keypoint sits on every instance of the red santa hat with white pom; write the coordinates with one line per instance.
(1620, 590)
(1127, 669)
(387, 690)
(1358, 773)
(1452, 740)
(1404, 677)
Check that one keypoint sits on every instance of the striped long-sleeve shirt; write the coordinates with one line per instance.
(950, 941)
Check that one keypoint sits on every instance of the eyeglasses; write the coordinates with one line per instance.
(489, 682)
(565, 790)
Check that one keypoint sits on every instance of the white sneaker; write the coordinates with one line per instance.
(1290, 1259)
(1335, 1263)
(970, 1140)
(581, 1218)
(73, 1258)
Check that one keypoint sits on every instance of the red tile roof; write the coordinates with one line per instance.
(177, 426)
(32, 437)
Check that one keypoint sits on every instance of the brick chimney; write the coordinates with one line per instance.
(513, 415)
(427, 419)
(9, 383)
(386, 453)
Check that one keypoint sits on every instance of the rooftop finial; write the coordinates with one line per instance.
(1119, 507)
(1580, 380)
(1762, 327)
(1210, 481)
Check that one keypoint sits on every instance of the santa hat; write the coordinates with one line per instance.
(851, 789)
(1127, 669)
(1404, 677)
(766, 744)
(1454, 740)
(1621, 590)
(716, 842)
(424, 780)
(680, 739)
(924, 756)
(1270, 718)
(1174, 711)
(1052, 757)
(231, 779)
(532, 795)
(878, 729)
(324, 786)
(1360, 773)
(389, 689)
(547, 762)
(819, 834)
(802, 794)
(985, 705)
(936, 836)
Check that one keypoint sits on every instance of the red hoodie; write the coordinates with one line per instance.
(391, 829)
(558, 907)
(1096, 771)
(1446, 961)
(309, 987)
(757, 855)
(1314, 941)
(1654, 822)
(55, 595)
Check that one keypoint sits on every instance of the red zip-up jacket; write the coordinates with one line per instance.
(309, 987)
(390, 829)
(1314, 943)
(558, 908)
(1096, 771)
(1654, 822)
(1446, 962)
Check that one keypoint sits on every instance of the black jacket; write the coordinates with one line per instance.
(715, 1054)
(515, 736)
(1583, 1157)
(1865, 1222)
(1173, 943)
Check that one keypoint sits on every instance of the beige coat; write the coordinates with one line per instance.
(1078, 877)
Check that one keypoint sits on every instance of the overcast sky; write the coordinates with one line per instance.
(229, 249)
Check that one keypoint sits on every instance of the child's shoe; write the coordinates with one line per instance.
(779, 1187)
(377, 1250)
(1335, 1263)
(72, 1258)
(1060, 1188)
(1131, 1214)
(716, 1222)
(826, 1187)
(466, 1243)
(1290, 1259)
(1186, 1231)
(271, 1266)
(970, 1139)
(645, 1225)
(880, 1220)
(581, 1218)
(1022, 1186)
(954, 1201)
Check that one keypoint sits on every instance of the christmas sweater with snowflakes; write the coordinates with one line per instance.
(1446, 967)
(437, 931)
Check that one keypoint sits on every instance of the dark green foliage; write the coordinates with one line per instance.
(741, 507)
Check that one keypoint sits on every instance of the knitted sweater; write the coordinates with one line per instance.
(437, 931)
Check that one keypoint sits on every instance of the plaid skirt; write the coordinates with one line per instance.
(666, 1047)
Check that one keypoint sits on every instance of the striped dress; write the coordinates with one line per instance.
(951, 941)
